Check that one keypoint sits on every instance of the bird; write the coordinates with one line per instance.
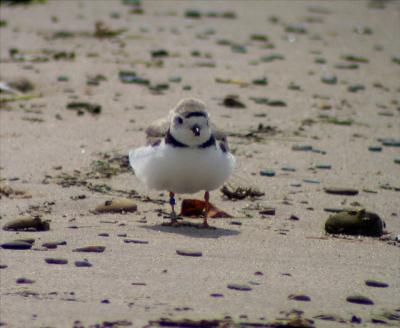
(185, 153)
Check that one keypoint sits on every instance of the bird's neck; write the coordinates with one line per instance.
(170, 140)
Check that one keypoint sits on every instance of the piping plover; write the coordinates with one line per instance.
(185, 153)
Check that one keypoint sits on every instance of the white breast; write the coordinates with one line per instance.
(181, 170)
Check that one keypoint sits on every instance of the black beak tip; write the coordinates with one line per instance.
(196, 130)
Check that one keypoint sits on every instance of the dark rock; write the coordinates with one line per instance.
(122, 205)
(294, 218)
(374, 283)
(239, 287)
(83, 264)
(302, 148)
(189, 252)
(267, 173)
(53, 260)
(359, 299)
(79, 106)
(341, 191)
(357, 222)
(217, 295)
(24, 281)
(135, 241)
(34, 223)
(232, 101)
(16, 245)
(355, 88)
(268, 211)
(329, 79)
(300, 297)
(90, 249)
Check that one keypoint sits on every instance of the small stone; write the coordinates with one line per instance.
(272, 57)
(236, 223)
(189, 252)
(397, 160)
(288, 168)
(346, 66)
(83, 264)
(355, 88)
(329, 79)
(232, 101)
(239, 287)
(24, 281)
(104, 234)
(34, 223)
(294, 218)
(268, 211)
(260, 81)
(314, 181)
(359, 299)
(217, 295)
(355, 58)
(300, 297)
(341, 191)
(122, 205)
(90, 249)
(135, 241)
(302, 147)
(276, 103)
(374, 283)
(389, 142)
(267, 173)
(53, 260)
(298, 29)
(17, 245)
(323, 166)
(375, 148)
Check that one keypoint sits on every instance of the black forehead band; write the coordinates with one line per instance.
(190, 114)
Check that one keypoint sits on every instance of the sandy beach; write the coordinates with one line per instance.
(308, 93)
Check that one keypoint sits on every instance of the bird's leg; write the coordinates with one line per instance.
(206, 208)
(172, 203)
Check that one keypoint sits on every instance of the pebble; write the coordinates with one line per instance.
(355, 58)
(90, 249)
(24, 281)
(16, 245)
(329, 79)
(397, 160)
(355, 88)
(135, 241)
(216, 295)
(359, 299)
(323, 166)
(341, 191)
(288, 168)
(54, 244)
(34, 223)
(189, 252)
(83, 264)
(54, 260)
(122, 205)
(232, 101)
(375, 148)
(302, 147)
(267, 173)
(315, 181)
(268, 211)
(390, 142)
(3, 266)
(239, 287)
(346, 66)
(300, 297)
(236, 223)
(294, 218)
(295, 184)
(374, 283)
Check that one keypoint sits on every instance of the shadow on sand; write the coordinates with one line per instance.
(193, 230)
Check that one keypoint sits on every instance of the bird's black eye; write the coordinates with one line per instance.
(178, 120)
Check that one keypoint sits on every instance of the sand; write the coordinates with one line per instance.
(135, 283)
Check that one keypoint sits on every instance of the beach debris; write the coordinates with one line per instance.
(355, 222)
(10, 192)
(341, 191)
(31, 223)
(103, 31)
(90, 249)
(135, 241)
(56, 260)
(16, 245)
(232, 101)
(131, 77)
(80, 107)
(189, 252)
(240, 192)
(196, 208)
(120, 205)
(239, 287)
(345, 65)
(359, 299)
(267, 173)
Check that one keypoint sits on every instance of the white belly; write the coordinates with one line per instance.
(181, 170)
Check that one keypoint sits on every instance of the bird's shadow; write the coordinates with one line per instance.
(193, 230)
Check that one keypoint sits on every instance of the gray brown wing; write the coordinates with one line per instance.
(157, 131)
(221, 137)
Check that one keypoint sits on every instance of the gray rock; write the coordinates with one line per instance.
(54, 260)
(17, 245)
(189, 252)
(239, 287)
(329, 79)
